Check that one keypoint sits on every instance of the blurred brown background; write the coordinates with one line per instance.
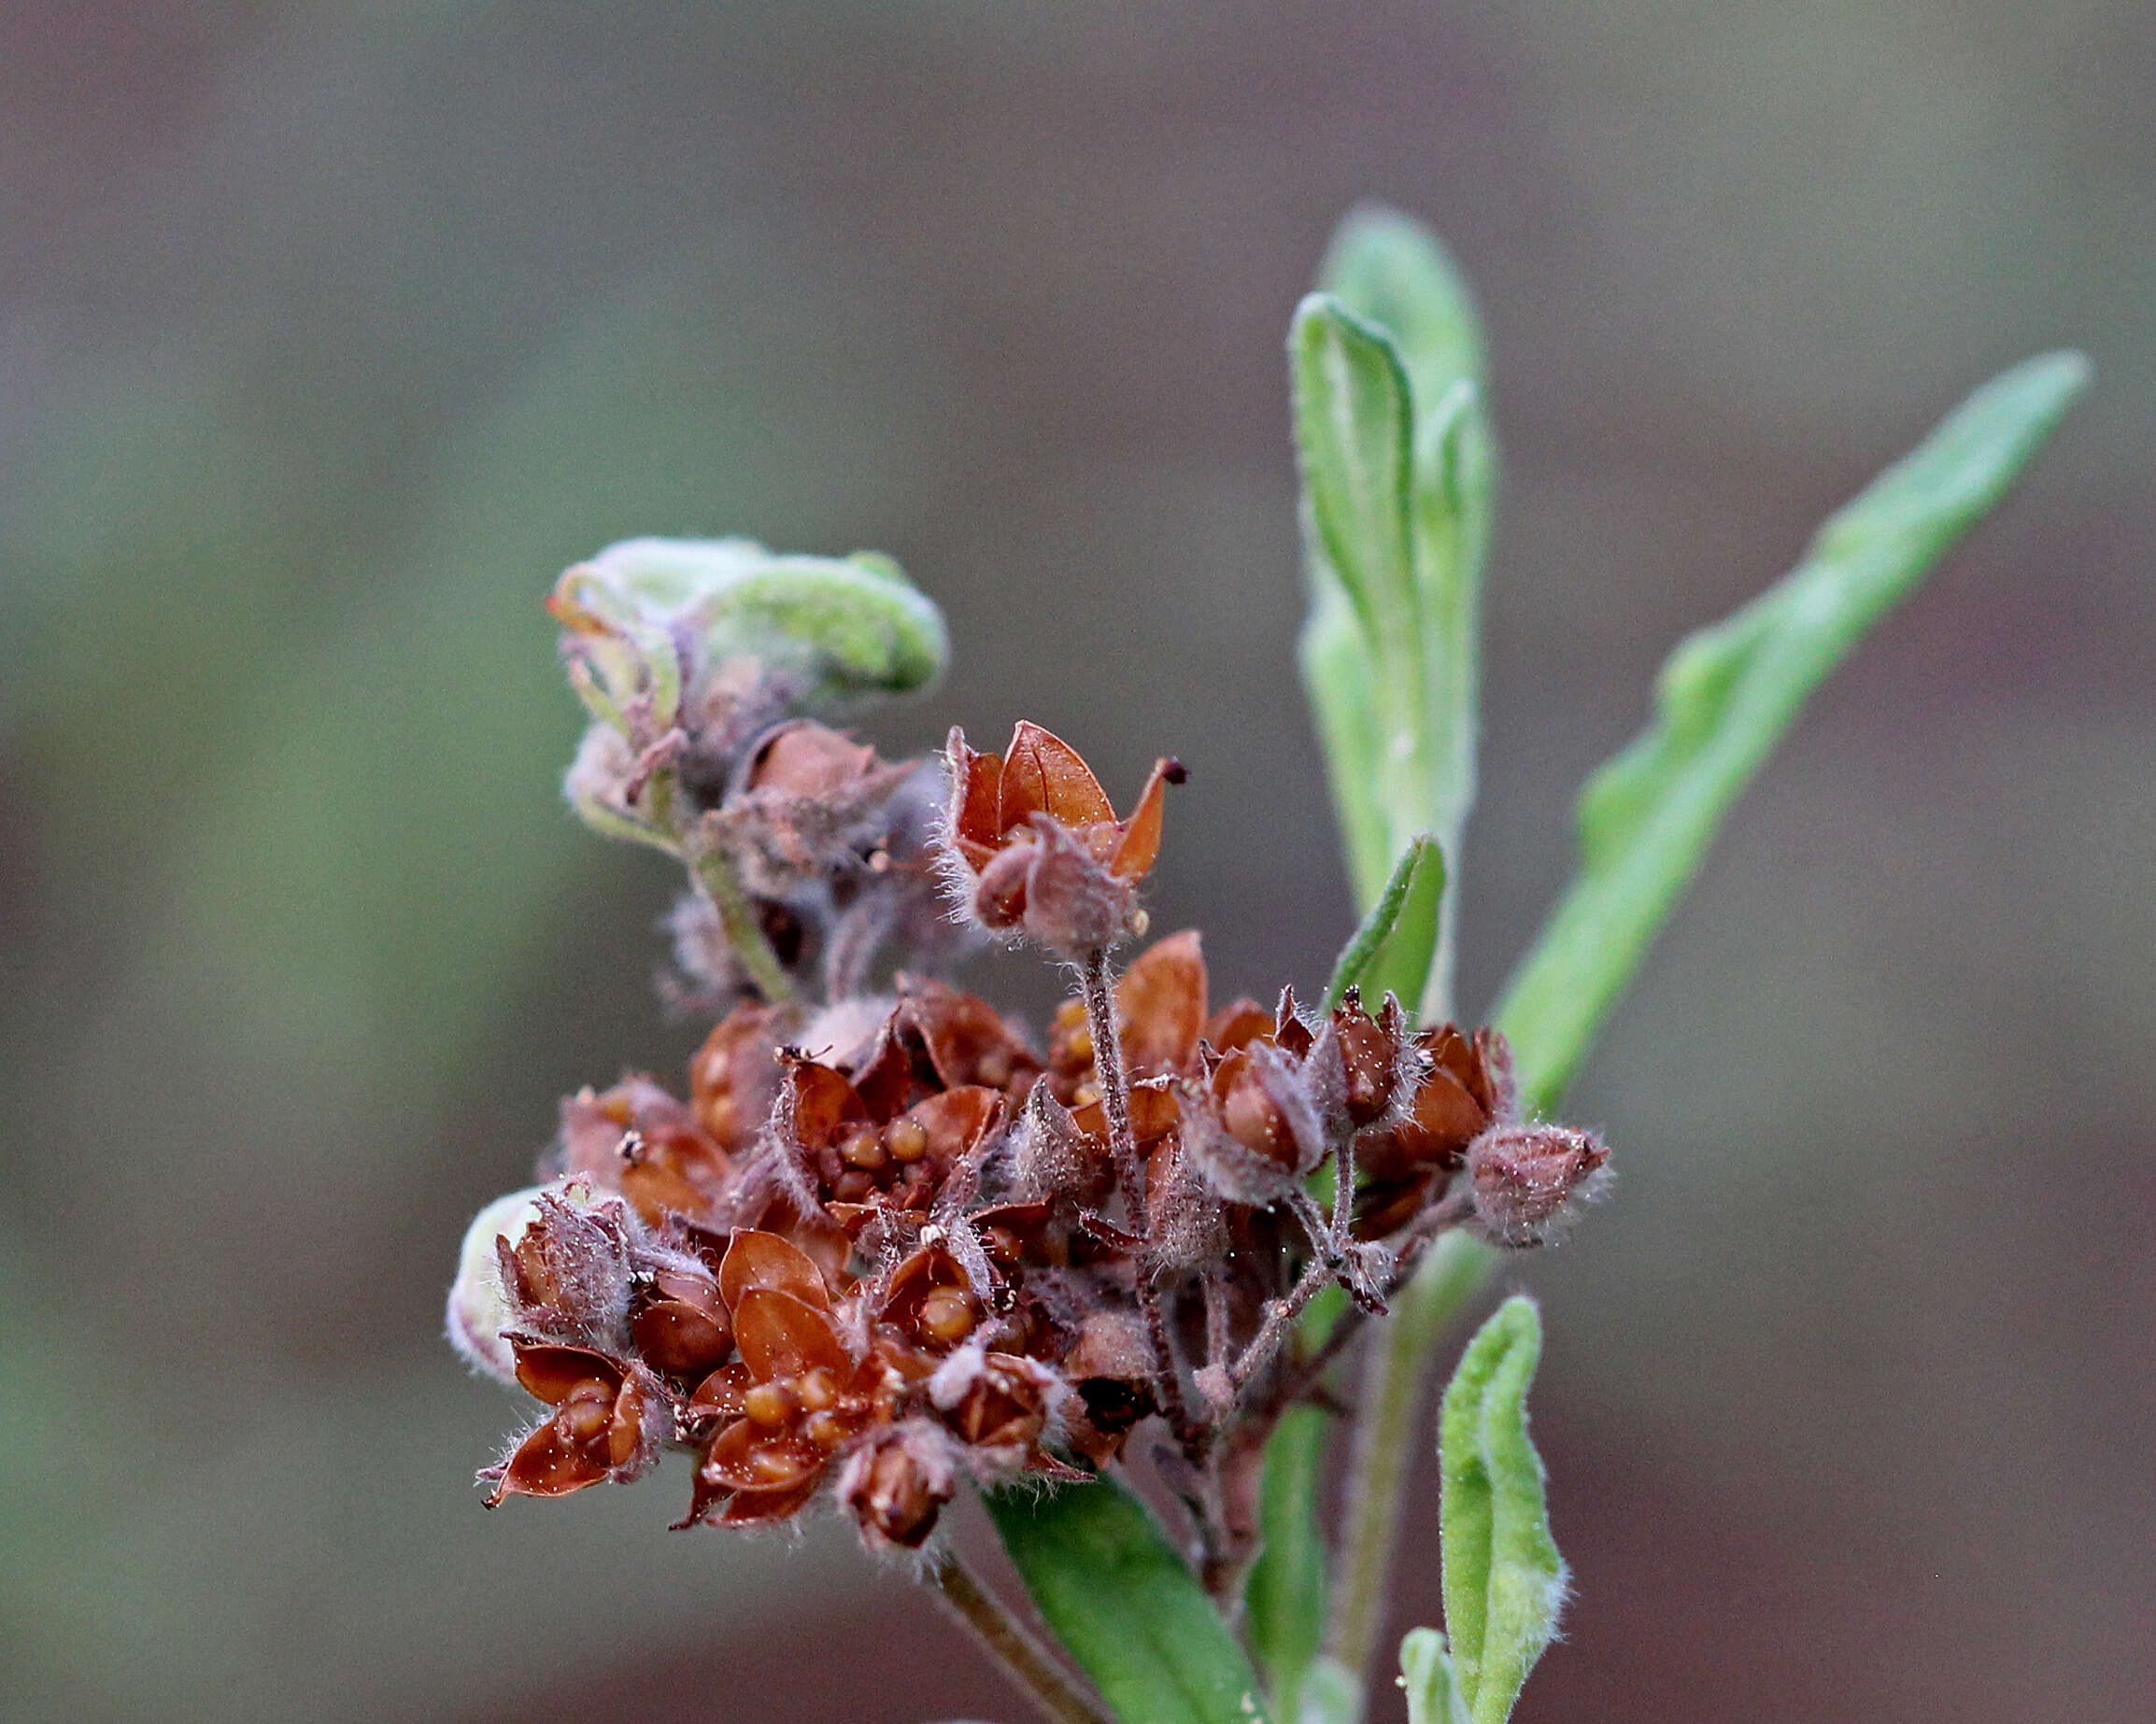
(328, 334)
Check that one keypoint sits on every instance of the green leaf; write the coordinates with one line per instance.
(1354, 427)
(1390, 270)
(1399, 474)
(1727, 694)
(1434, 1694)
(1503, 1578)
(1338, 683)
(847, 626)
(1285, 1599)
(1104, 1577)
(1391, 952)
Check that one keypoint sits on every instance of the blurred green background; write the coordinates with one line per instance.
(329, 334)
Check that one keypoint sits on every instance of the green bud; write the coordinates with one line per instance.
(648, 623)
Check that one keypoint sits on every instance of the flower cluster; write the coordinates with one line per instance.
(887, 1242)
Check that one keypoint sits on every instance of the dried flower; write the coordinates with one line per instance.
(609, 1419)
(882, 1244)
(1034, 847)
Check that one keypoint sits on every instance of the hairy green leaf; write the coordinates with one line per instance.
(1434, 1694)
(1390, 270)
(1391, 952)
(1727, 694)
(1105, 1577)
(1503, 1578)
(1399, 474)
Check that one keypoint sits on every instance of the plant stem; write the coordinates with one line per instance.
(714, 875)
(1100, 1000)
(737, 919)
(1383, 1444)
(1005, 1639)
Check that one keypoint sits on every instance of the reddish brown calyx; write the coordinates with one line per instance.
(609, 1418)
(1039, 846)
(639, 1141)
(1465, 1088)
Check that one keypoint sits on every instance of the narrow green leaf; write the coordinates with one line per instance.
(1395, 683)
(1355, 429)
(1503, 1578)
(1105, 1577)
(1340, 684)
(1285, 1599)
(1434, 1694)
(1391, 952)
(1390, 270)
(1727, 694)
(1363, 655)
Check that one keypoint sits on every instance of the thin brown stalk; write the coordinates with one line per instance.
(1006, 1640)
(1098, 996)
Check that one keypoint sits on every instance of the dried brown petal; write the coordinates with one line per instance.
(681, 1329)
(1238, 1024)
(810, 761)
(760, 1261)
(733, 1078)
(778, 1336)
(1160, 1003)
(1043, 774)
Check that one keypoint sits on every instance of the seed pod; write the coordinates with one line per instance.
(1522, 1177)
(896, 1484)
(1031, 845)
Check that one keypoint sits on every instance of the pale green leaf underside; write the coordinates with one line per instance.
(1105, 1577)
(1728, 692)
(1503, 1577)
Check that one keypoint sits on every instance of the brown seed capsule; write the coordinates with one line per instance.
(1371, 1054)
(897, 1484)
(1253, 1118)
(1522, 1176)
(1037, 846)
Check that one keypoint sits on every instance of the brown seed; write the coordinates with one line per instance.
(862, 1149)
(827, 1431)
(947, 1315)
(906, 1139)
(583, 1415)
(817, 1390)
(769, 1405)
(853, 1185)
(776, 1464)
